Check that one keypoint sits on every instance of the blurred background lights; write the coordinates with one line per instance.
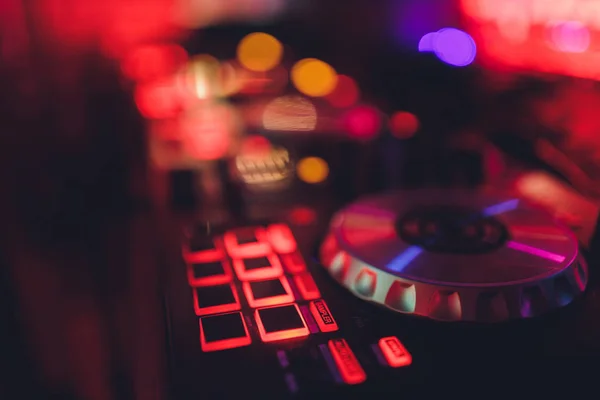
(261, 165)
(403, 124)
(259, 52)
(158, 99)
(201, 76)
(312, 170)
(570, 37)
(153, 61)
(362, 122)
(452, 46)
(313, 77)
(345, 94)
(290, 114)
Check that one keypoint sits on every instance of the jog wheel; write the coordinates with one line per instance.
(454, 255)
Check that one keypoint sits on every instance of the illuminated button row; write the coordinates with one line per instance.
(242, 243)
(275, 323)
(349, 367)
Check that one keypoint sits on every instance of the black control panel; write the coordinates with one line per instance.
(252, 313)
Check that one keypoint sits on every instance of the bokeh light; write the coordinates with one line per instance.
(255, 144)
(313, 77)
(451, 45)
(302, 215)
(345, 94)
(152, 62)
(312, 170)
(158, 99)
(570, 37)
(210, 131)
(426, 42)
(259, 52)
(362, 122)
(290, 114)
(201, 76)
(403, 124)
(262, 166)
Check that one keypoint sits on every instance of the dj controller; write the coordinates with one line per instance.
(393, 293)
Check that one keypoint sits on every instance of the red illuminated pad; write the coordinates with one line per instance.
(209, 273)
(202, 249)
(322, 315)
(224, 331)
(247, 242)
(350, 369)
(258, 268)
(269, 292)
(394, 352)
(280, 323)
(294, 263)
(306, 286)
(281, 238)
(216, 299)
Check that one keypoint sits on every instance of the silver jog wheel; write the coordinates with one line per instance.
(454, 255)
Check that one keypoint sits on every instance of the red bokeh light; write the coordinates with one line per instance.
(345, 94)
(404, 124)
(362, 122)
(153, 62)
(302, 215)
(158, 100)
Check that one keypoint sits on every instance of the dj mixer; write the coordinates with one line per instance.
(393, 293)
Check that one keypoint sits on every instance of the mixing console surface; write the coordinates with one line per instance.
(252, 313)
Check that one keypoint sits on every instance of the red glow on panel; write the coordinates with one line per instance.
(158, 100)
(404, 124)
(218, 279)
(202, 256)
(153, 62)
(256, 302)
(394, 352)
(362, 122)
(271, 271)
(345, 94)
(558, 37)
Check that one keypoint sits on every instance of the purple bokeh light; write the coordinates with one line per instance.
(450, 45)
(426, 42)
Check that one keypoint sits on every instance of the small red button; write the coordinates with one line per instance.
(216, 272)
(394, 352)
(322, 315)
(224, 331)
(294, 263)
(216, 299)
(350, 369)
(307, 286)
(257, 268)
(270, 292)
(281, 238)
(280, 323)
(247, 242)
